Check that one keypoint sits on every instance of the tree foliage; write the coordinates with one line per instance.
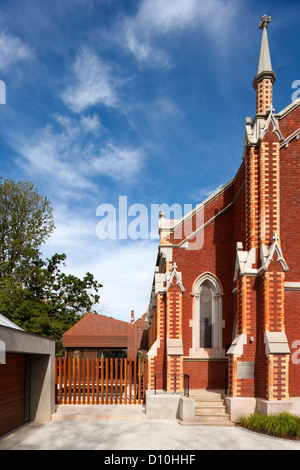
(35, 293)
(26, 221)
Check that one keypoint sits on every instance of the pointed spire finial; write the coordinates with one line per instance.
(265, 20)
(265, 75)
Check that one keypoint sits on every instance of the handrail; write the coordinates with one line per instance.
(186, 382)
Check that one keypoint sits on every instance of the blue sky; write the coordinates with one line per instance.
(139, 98)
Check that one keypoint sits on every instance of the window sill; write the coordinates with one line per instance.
(205, 354)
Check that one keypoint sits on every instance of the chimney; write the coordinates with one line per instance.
(132, 316)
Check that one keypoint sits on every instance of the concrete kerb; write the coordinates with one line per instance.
(99, 412)
(169, 406)
(160, 406)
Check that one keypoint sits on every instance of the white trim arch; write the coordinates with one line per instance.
(215, 350)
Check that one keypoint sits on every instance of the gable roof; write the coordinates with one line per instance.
(142, 322)
(99, 331)
(6, 322)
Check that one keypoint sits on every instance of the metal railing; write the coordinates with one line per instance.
(186, 382)
(186, 385)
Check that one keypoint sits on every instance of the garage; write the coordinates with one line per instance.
(14, 392)
(26, 377)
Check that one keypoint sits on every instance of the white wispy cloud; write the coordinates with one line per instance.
(70, 151)
(156, 18)
(89, 83)
(12, 50)
(120, 163)
(56, 154)
(200, 194)
(125, 268)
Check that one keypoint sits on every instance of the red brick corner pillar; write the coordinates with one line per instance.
(174, 338)
(242, 353)
(156, 357)
(276, 350)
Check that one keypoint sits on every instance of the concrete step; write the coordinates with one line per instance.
(209, 420)
(199, 402)
(207, 396)
(213, 420)
(203, 421)
(210, 409)
(213, 410)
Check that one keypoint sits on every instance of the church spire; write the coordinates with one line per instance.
(265, 76)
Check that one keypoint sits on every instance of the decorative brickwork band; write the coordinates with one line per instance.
(273, 301)
(252, 198)
(243, 305)
(269, 191)
(174, 337)
(160, 316)
(264, 96)
(278, 376)
(232, 376)
(175, 374)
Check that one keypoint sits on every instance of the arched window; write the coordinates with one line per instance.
(207, 318)
(206, 308)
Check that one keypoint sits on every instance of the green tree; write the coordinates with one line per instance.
(35, 293)
(26, 221)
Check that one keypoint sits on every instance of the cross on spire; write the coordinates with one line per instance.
(264, 72)
(265, 20)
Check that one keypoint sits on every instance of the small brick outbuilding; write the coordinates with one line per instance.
(100, 336)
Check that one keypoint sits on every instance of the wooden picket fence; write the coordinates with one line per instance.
(100, 381)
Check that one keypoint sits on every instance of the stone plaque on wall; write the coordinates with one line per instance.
(245, 370)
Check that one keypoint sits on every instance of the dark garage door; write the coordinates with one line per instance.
(12, 392)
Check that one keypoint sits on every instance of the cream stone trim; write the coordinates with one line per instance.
(292, 286)
(174, 347)
(218, 324)
(153, 350)
(276, 343)
(268, 253)
(285, 111)
(256, 130)
(237, 345)
(164, 280)
(170, 277)
(294, 135)
(245, 259)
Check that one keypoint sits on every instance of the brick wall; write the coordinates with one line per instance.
(264, 199)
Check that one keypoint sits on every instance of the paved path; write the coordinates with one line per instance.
(133, 433)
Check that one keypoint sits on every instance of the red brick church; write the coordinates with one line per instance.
(228, 313)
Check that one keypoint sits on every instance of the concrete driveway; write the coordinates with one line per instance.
(135, 432)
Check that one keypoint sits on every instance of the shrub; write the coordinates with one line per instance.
(282, 424)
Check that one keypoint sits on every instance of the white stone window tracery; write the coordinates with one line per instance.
(207, 320)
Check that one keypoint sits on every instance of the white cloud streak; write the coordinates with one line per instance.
(201, 194)
(120, 163)
(125, 268)
(156, 18)
(90, 83)
(72, 156)
(13, 50)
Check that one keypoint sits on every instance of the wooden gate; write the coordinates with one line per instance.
(100, 381)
